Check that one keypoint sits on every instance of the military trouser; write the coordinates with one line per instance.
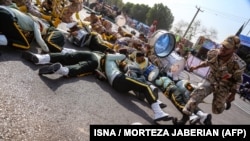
(13, 33)
(123, 83)
(97, 44)
(220, 95)
(54, 39)
(79, 63)
(198, 95)
(179, 100)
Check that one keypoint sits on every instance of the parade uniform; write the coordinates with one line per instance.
(122, 83)
(71, 63)
(55, 39)
(15, 36)
(97, 43)
(179, 94)
(135, 70)
(27, 6)
(79, 63)
(83, 37)
(20, 29)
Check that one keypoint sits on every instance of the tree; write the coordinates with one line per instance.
(162, 14)
(118, 3)
(127, 9)
(180, 27)
(196, 30)
(139, 11)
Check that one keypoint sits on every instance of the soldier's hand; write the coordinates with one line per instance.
(191, 69)
(231, 97)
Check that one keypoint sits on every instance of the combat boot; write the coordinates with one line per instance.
(50, 69)
(181, 121)
(227, 105)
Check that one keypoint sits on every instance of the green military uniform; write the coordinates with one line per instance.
(19, 27)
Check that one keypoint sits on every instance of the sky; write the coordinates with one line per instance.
(225, 16)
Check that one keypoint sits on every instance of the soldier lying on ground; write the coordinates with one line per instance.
(80, 63)
(123, 83)
(71, 64)
(134, 69)
(81, 35)
(27, 6)
(19, 29)
(179, 94)
(84, 37)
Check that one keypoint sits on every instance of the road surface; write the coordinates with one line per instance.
(52, 108)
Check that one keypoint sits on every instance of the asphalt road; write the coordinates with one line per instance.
(52, 108)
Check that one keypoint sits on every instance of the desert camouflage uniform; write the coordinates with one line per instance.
(73, 7)
(95, 22)
(223, 78)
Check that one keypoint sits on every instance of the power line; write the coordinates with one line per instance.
(198, 10)
(224, 15)
(215, 12)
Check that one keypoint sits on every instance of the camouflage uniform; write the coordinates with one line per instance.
(75, 6)
(95, 22)
(223, 77)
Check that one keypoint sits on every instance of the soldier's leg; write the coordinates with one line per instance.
(197, 96)
(55, 40)
(219, 102)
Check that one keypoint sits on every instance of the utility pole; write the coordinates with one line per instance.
(246, 25)
(198, 10)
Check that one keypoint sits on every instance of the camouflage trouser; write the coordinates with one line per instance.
(196, 97)
(220, 95)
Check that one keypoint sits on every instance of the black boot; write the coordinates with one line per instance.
(30, 57)
(228, 105)
(50, 69)
(181, 121)
(177, 122)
